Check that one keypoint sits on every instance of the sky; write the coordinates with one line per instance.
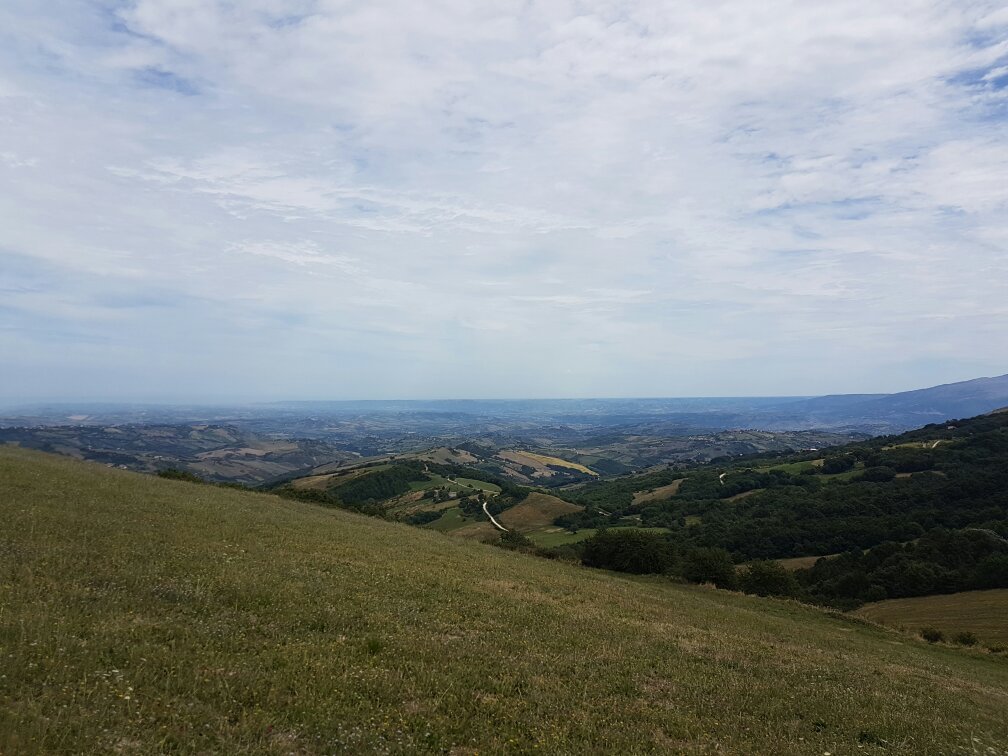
(209, 200)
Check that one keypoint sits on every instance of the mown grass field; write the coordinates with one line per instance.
(141, 615)
(984, 613)
(480, 485)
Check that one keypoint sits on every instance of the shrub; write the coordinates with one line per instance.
(422, 518)
(173, 473)
(515, 541)
(965, 639)
(932, 635)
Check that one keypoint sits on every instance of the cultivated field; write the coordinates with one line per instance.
(540, 462)
(983, 613)
(141, 615)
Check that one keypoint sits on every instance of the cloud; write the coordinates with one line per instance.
(521, 198)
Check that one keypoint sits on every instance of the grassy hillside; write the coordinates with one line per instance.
(536, 512)
(141, 615)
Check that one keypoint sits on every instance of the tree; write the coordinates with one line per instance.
(710, 566)
(767, 578)
(878, 474)
(628, 550)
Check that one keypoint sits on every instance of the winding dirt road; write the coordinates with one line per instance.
(496, 524)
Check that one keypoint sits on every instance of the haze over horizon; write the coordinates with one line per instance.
(209, 201)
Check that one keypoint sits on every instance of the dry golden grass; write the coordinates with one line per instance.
(476, 531)
(537, 511)
(445, 456)
(799, 563)
(322, 482)
(984, 613)
(547, 460)
(658, 494)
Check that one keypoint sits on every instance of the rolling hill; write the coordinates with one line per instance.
(143, 615)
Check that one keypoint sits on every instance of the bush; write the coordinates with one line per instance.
(832, 465)
(767, 578)
(966, 639)
(710, 566)
(932, 635)
(515, 541)
(422, 518)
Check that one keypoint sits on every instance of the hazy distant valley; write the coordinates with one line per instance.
(266, 442)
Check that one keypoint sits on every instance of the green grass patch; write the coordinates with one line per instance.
(434, 480)
(452, 519)
(795, 468)
(482, 485)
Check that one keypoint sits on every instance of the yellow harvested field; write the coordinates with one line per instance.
(537, 511)
(983, 613)
(540, 462)
(561, 463)
(657, 494)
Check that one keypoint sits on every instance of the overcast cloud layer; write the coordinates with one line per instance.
(333, 199)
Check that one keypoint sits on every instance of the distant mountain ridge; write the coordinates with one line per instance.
(908, 409)
(572, 422)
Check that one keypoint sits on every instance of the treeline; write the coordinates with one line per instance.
(941, 561)
(959, 484)
(617, 494)
(379, 485)
(644, 552)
